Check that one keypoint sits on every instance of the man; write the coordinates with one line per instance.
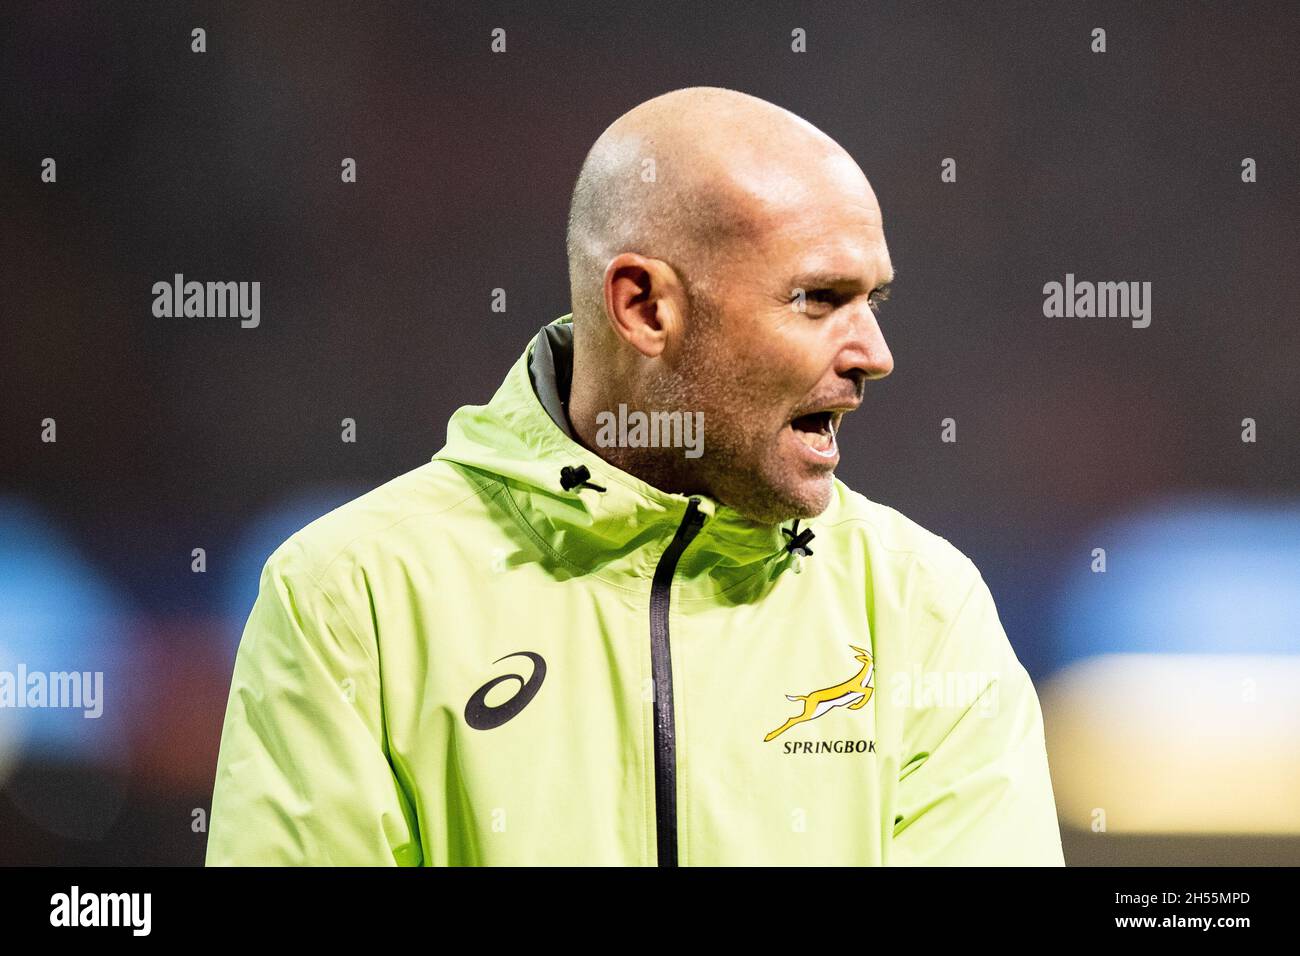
(575, 638)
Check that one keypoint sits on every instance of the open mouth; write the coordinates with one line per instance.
(817, 431)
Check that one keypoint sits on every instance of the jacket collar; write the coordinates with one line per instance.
(550, 369)
(613, 524)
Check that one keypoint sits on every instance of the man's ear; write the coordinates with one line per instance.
(644, 302)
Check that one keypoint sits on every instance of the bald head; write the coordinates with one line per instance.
(685, 177)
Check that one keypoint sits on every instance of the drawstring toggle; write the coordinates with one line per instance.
(798, 546)
(571, 477)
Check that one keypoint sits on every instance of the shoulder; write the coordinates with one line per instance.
(948, 614)
(381, 526)
(896, 545)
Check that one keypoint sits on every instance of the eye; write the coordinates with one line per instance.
(823, 296)
(835, 298)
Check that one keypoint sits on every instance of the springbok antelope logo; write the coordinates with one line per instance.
(854, 692)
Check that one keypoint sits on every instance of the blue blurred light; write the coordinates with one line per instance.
(59, 615)
(1190, 575)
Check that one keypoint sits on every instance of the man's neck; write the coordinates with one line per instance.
(663, 468)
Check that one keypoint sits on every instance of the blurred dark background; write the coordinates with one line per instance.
(1073, 434)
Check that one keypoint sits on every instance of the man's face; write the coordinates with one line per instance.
(761, 357)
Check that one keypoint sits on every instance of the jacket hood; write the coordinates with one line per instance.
(592, 516)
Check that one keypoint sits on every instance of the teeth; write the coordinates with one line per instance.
(823, 443)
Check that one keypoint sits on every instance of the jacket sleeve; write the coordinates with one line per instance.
(303, 776)
(974, 787)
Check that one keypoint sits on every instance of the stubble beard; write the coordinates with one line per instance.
(740, 468)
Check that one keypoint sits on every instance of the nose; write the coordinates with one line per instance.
(864, 354)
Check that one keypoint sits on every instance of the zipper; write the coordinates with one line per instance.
(662, 674)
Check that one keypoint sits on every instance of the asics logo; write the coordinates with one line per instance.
(481, 716)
